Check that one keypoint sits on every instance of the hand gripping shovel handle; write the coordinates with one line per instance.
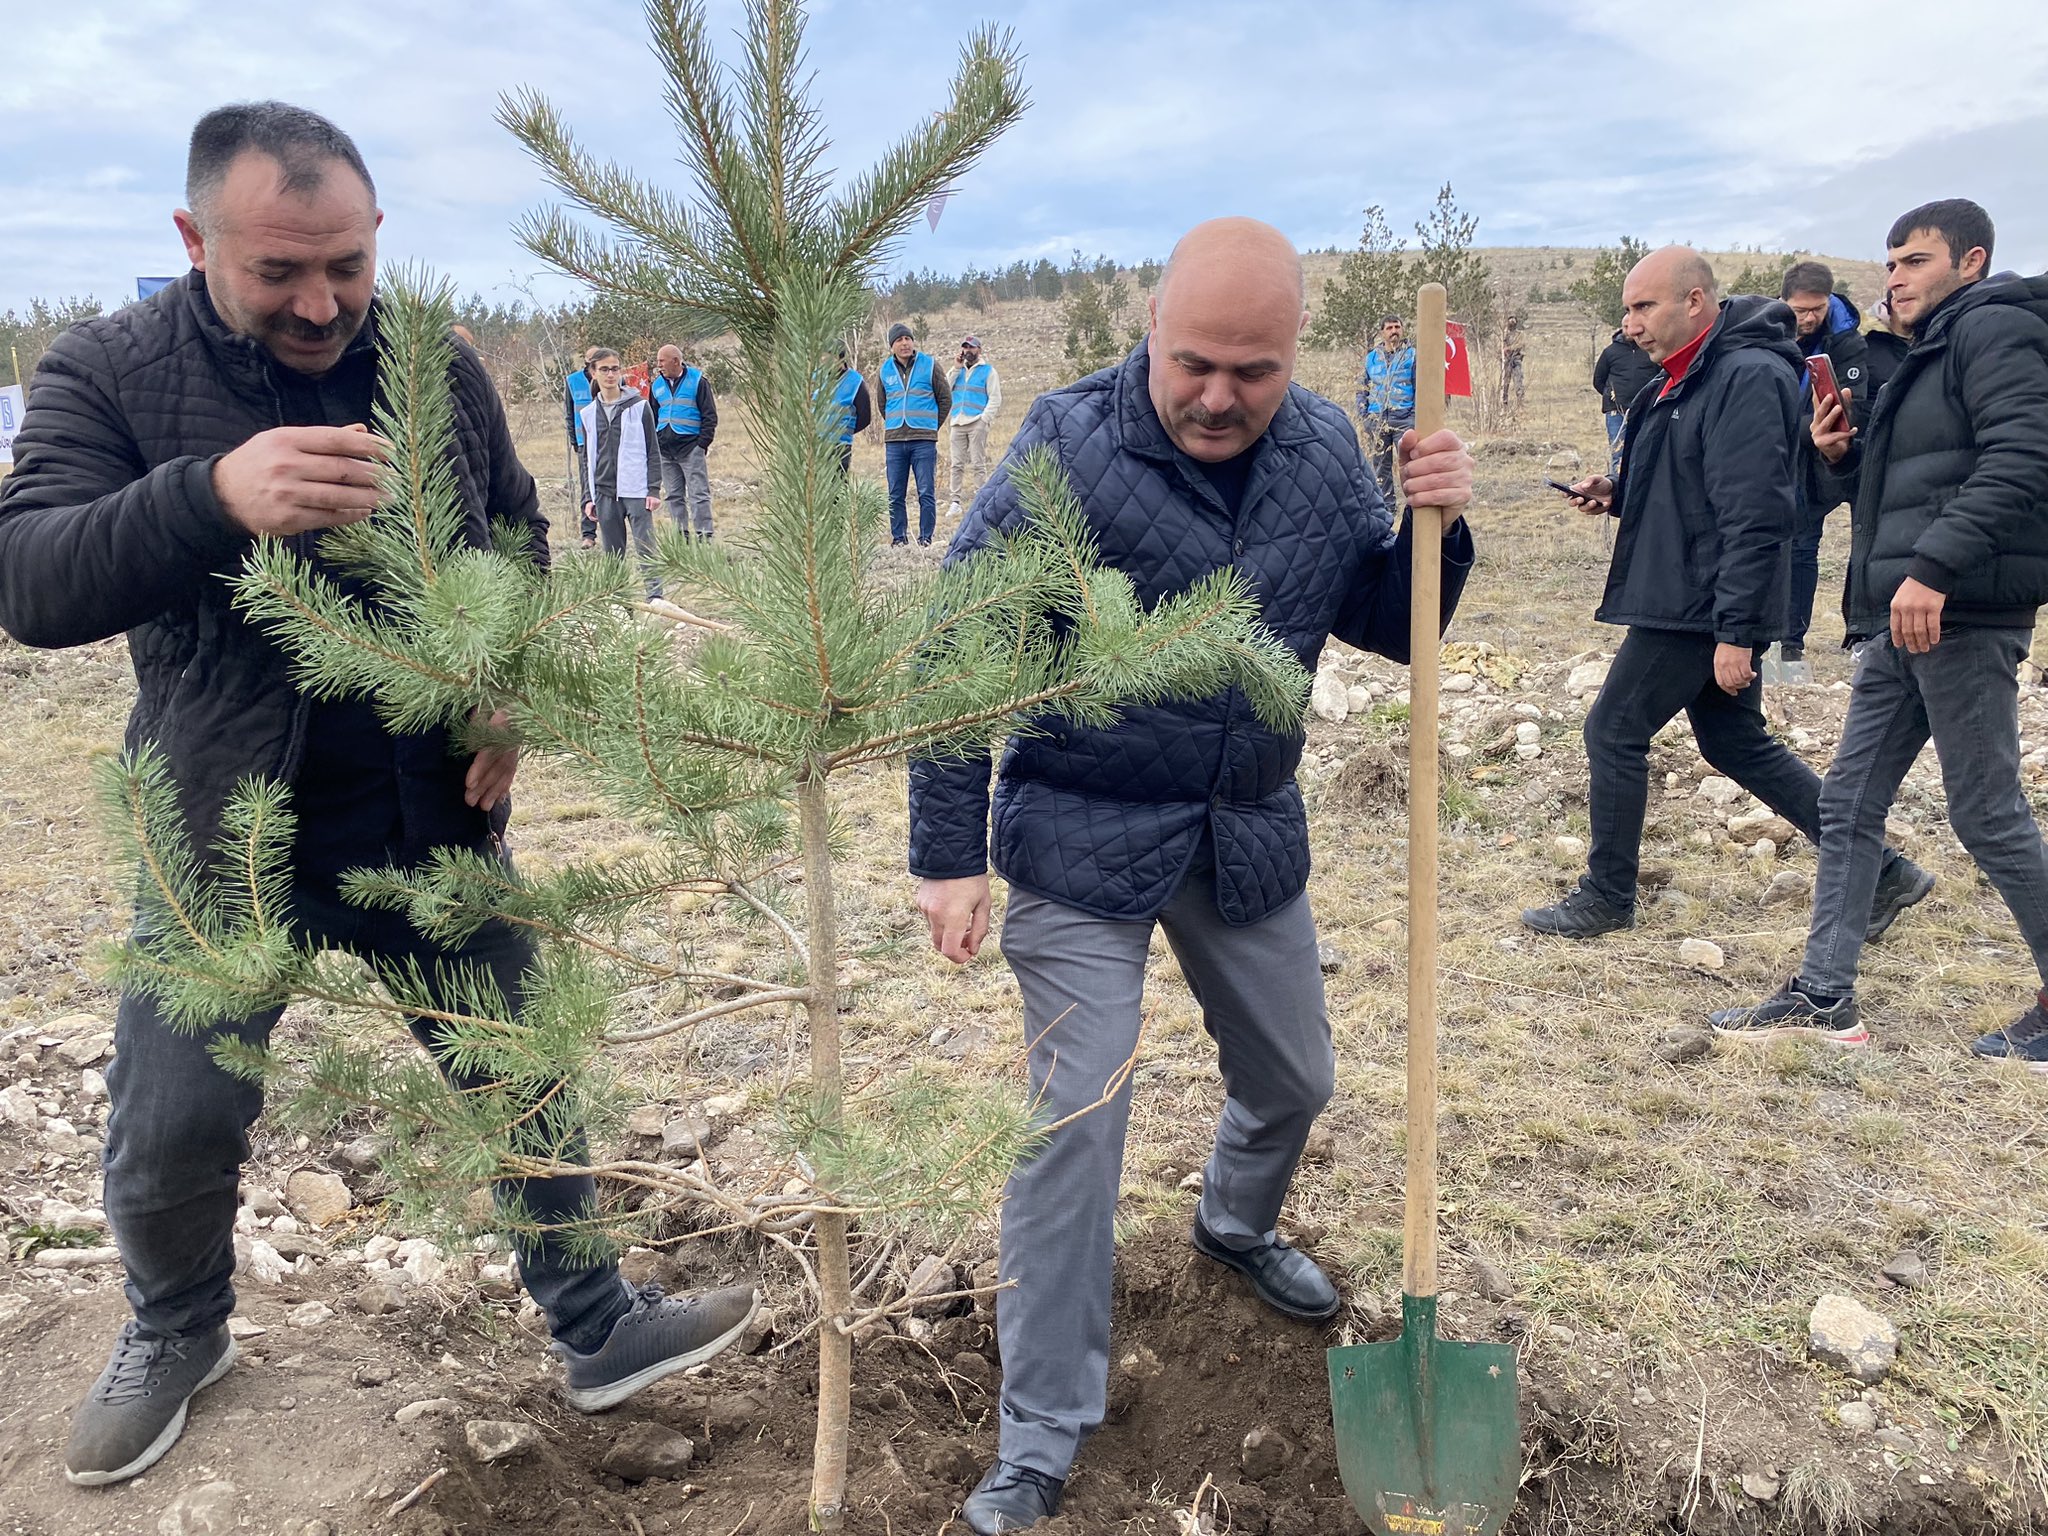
(1425, 627)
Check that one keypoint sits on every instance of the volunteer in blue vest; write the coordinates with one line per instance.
(913, 397)
(577, 392)
(977, 396)
(1386, 399)
(619, 478)
(685, 421)
(850, 399)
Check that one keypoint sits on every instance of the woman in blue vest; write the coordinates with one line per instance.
(685, 420)
(913, 398)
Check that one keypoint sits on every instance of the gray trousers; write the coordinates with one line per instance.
(1965, 695)
(970, 452)
(1083, 979)
(614, 515)
(686, 484)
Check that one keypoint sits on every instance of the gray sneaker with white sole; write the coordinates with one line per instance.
(136, 1410)
(661, 1335)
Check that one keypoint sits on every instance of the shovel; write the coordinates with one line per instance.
(1428, 1436)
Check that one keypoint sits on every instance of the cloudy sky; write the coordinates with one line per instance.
(1558, 121)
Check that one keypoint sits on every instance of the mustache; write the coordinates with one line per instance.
(343, 325)
(1210, 419)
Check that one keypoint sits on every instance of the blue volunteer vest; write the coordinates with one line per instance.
(677, 404)
(915, 407)
(850, 383)
(579, 391)
(1390, 381)
(970, 390)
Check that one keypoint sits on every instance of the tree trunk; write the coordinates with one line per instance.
(835, 1278)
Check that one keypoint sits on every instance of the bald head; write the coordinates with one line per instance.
(669, 360)
(1226, 322)
(1669, 298)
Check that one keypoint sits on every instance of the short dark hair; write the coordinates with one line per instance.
(1961, 224)
(1387, 320)
(599, 354)
(1807, 277)
(304, 144)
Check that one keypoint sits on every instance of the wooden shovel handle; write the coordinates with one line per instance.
(1425, 625)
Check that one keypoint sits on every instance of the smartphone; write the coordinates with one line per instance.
(1563, 489)
(1821, 369)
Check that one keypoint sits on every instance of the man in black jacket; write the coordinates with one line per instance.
(159, 442)
(1698, 577)
(1829, 326)
(1948, 565)
(1619, 373)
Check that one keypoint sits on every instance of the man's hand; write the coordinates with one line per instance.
(654, 503)
(1734, 668)
(958, 913)
(490, 772)
(291, 479)
(1435, 472)
(590, 509)
(1593, 495)
(1916, 616)
(1831, 430)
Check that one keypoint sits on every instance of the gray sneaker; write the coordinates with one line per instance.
(136, 1410)
(661, 1335)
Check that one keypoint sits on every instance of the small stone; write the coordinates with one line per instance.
(1857, 1416)
(92, 1085)
(382, 1246)
(1569, 847)
(932, 1277)
(262, 1203)
(1718, 791)
(1643, 1397)
(1528, 733)
(1560, 1335)
(1329, 957)
(1763, 850)
(1761, 1485)
(265, 1265)
(208, 1510)
(84, 1051)
(318, 1198)
(412, 1413)
(1265, 1453)
(1387, 925)
(1683, 1045)
(373, 1373)
(1459, 682)
(1586, 678)
(1845, 1333)
(1330, 698)
(498, 1439)
(1321, 1147)
(1489, 1279)
(421, 1259)
(365, 1154)
(309, 1314)
(74, 1258)
(646, 1450)
(973, 1369)
(1358, 698)
(1766, 823)
(1193, 1181)
(1908, 1269)
(383, 1294)
(242, 1328)
(722, 1106)
(19, 1109)
(759, 1330)
(684, 1134)
(1786, 885)
(1701, 954)
(1527, 711)
(647, 1120)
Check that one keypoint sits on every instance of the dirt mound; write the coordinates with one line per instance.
(1373, 778)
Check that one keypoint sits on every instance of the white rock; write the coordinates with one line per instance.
(1457, 751)
(86, 1050)
(1528, 733)
(317, 1197)
(413, 1412)
(309, 1314)
(1702, 954)
(1786, 885)
(382, 1246)
(421, 1259)
(1569, 847)
(1844, 1332)
(497, 1439)
(1528, 711)
(1358, 698)
(719, 1105)
(647, 1120)
(92, 1085)
(1330, 698)
(1857, 1416)
(74, 1258)
(1763, 850)
(1459, 682)
(1586, 678)
(1528, 751)
(18, 1108)
(1761, 1486)
(266, 1266)
(208, 1510)
(242, 1328)
(1716, 790)
(262, 1202)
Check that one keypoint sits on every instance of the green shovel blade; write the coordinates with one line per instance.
(1428, 1430)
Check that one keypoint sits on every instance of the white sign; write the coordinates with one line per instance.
(10, 420)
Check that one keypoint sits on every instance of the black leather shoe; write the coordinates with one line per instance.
(1011, 1498)
(1583, 914)
(1286, 1279)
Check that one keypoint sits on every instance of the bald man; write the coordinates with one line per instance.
(1194, 454)
(686, 421)
(1704, 496)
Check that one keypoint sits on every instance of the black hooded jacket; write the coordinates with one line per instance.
(109, 523)
(1705, 490)
(1953, 469)
(1620, 373)
(1841, 338)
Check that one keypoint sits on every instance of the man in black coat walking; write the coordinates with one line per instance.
(1948, 568)
(1619, 373)
(1698, 577)
(160, 442)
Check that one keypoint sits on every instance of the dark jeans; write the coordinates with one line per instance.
(1656, 673)
(1809, 523)
(1965, 695)
(178, 1135)
(1383, 433)
(902, 458)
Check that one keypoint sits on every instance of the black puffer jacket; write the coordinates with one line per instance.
(1705, 492)
(109, 523)
(1848, 349)
(1620, 373)
(1953, 487)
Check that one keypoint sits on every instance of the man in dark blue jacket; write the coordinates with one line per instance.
(1698, 577)
(1948, 568)
(1197, 452)
(160, 442)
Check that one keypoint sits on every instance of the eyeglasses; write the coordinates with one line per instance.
(602, 369)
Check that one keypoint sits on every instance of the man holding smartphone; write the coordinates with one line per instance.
(1948, 566)
(1705, 501)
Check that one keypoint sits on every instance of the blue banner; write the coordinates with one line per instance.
(145, 286)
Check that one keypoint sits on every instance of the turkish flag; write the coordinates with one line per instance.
(1457, 362)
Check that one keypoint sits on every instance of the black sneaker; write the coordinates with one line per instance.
(1789, 1011)
(1584, 914)
(1900, 884)
(659, 1336)
(136, 1410)
(1011, 1498)
(2025, 1039)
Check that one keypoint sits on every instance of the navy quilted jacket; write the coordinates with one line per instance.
(109, 523)
(1109, 820)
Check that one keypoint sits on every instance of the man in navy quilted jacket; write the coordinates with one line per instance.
(1197, 452)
